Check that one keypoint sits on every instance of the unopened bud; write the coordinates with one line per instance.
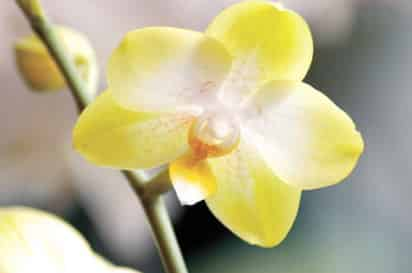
(39, 70)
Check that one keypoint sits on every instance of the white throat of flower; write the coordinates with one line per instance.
(216, 132)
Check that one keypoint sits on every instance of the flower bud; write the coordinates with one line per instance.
(39, 70)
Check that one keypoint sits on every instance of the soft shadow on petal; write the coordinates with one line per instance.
(162, 69)
(251, 200)
(109, 135)
(307, 140)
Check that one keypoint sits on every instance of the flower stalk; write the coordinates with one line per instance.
(148, 191)
(41, 26)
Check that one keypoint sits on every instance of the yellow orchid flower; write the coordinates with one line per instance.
(35, 241)
(39, 70)
(228, 111)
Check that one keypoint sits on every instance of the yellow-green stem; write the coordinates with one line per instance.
(148, 192)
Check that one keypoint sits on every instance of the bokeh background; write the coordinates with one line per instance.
(363, 61)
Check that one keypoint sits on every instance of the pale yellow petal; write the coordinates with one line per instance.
(251, 200)
(279, 37)
(307, 140)
(34, 241)
(109, 135)
(267, 42)
(192, 179)
(163, 69)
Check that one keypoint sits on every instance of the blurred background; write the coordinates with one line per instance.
(363, 61)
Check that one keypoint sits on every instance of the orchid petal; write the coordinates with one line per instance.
(307, 140)
(165, 69)
(33, 241)
(109, 135)
(267, 42)
(250, 199)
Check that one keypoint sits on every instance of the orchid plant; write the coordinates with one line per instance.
(226, 110)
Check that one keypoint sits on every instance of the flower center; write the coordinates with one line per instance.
(213, 135)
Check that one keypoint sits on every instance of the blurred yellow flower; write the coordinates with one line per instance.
(39, 70)
(228, 111)
(35, 241)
